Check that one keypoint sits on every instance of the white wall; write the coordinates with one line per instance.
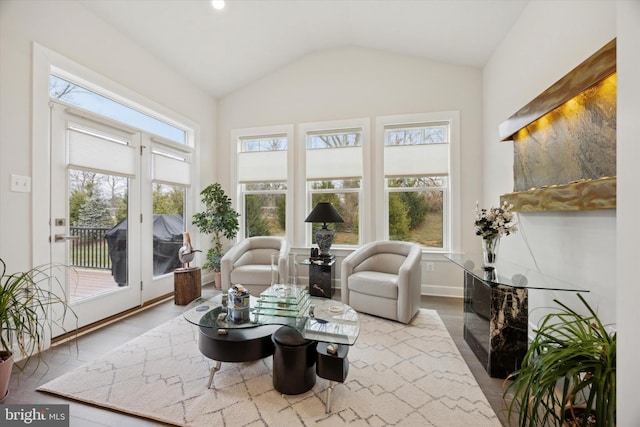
(69, 29)
(595, 249)
(353, 83)
(549, 39)
(628, 290)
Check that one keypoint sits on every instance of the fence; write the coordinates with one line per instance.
(90, 249)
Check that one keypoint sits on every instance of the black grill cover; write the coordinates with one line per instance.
(167, 240)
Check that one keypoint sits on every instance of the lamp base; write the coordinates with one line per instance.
(324, 240)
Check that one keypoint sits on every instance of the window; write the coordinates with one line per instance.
(416, 173)
(404, 185)
(334, 173)
(86, 99)
(262, 166)
(415, 209)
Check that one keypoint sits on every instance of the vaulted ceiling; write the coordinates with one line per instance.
(221, 51)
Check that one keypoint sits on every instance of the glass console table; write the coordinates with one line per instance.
(496, 309)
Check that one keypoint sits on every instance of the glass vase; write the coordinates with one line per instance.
(490, 246)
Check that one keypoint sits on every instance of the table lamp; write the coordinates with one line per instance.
(324, 212)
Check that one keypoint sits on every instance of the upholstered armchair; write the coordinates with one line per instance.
(384, 279)
(248, 263)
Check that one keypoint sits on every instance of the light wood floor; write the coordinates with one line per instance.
(65, 357)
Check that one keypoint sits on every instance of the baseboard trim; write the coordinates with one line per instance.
(109, 320)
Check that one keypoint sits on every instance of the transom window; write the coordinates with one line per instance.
(76, 95)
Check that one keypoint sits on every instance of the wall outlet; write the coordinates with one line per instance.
(430, 266)
(20, 183)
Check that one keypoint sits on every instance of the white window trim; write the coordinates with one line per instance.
(452, 221)
(236, 136)
(303, 197)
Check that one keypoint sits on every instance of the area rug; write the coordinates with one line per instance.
(400, 375)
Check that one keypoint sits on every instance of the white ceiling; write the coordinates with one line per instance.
(221, 51)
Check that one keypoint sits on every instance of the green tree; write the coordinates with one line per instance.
(123, 209)
(168, 199)
(281, 211)
(256, 222)
(94, 213)
(398, 218)
(77, 199)
(416, 206)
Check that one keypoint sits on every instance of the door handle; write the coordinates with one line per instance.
(62, 237)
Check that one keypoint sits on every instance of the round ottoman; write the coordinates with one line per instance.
(294, 361)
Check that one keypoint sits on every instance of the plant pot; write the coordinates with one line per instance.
(574, 417)
(217, 279)
(6, 364)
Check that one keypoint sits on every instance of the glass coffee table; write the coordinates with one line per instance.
(223, 340)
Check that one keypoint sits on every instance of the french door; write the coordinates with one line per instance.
(109, 223)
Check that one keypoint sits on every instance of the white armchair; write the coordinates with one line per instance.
(248, 263)
(384, 279)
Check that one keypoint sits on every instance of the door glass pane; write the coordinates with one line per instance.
(98, 229)
(168, 225)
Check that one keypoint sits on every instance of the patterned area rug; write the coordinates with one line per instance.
(404, 375)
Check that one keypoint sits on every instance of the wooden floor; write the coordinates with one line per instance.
(68, 356)
(89, 282)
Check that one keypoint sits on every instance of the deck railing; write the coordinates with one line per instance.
(90, 248)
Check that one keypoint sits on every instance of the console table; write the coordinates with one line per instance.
(496, 310)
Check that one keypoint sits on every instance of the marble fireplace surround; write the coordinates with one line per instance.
(564, 141)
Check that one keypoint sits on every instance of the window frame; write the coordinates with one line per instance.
(238, 188)
(303, 191)
(451, 197)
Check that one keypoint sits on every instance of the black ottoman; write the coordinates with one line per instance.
(294, 361)
(333, 367)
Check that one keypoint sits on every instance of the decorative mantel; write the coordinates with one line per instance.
(565, 141)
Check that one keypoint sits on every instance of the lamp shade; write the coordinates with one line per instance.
(324, 212)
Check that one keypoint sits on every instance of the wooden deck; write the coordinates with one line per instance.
(89, 282)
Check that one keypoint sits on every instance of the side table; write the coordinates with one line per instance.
(321, 275)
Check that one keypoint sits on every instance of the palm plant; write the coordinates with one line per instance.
(25, 303)
(568, 375)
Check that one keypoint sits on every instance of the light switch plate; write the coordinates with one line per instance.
(20, 183)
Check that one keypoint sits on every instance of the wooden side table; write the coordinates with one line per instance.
(187, 283)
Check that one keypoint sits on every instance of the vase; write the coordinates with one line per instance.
(490, 247)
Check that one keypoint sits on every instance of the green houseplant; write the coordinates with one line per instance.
(25, 317)
(568, 375)
(218, 219)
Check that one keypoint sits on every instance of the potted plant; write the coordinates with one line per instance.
(218, 219)
(568, 375)
(25, 303)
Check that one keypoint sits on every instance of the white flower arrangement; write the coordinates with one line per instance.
(495, 222)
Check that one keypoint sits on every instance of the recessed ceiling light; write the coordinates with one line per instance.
(217, 4)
